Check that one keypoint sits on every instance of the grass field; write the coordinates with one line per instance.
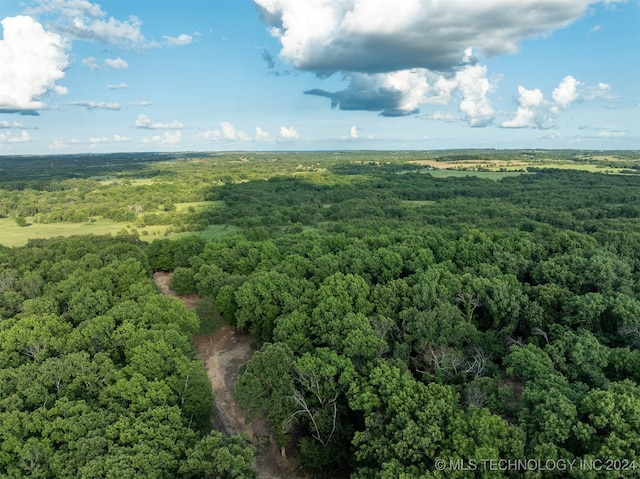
(13, 235)
(444, 169)
(212, 231)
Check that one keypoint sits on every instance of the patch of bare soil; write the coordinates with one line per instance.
(222, 354)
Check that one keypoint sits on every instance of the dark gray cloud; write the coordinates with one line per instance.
(395, 54)
(376, 36)
(387, 102)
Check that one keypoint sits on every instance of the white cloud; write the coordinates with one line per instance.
(526, 116)
(566, 92)
(611, 134)
(261, 134)
(96, 105)
(398, 55)
(116, 63)
(120, 86)
(83, 20)
(536, 112)
(143, 122)
(474, 86)
(62, 144)
(141, 103)
(178, 41)
(170, 138)
(111, 31)
(353, 133)
(288, 133)
(91, 63)
(32, 60)
(373, 36)
(9, 137)
(601, 92)
(228, 132)
(113, 139)
(68, 8)
(440, 116)
(4, 124)
(401, 93)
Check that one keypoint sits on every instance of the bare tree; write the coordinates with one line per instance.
(324, 393)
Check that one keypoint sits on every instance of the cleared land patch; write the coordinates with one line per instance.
(13, 235)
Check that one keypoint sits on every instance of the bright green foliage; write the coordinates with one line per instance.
(266, 386)
(98, 374)
(264, 297)
(220, 457)
(405, 314)
(612, 421)
(405, 421)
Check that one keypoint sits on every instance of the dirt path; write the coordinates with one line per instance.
(222, 354)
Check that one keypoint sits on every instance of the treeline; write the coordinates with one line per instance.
(574, 200)
(98, 377)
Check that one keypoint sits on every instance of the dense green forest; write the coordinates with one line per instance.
(402, 315)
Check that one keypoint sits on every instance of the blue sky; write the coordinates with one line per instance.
(211, 75)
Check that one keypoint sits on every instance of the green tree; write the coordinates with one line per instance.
(266, 385)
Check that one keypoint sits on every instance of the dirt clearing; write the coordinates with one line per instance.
(222, 354)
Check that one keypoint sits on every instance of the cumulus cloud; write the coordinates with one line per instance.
(120, 86)
(600, 92)
(112, 139)
(178, 41)
(228, 132)
(392, 94)
(261, 134)
(96, 105)
(83, 20)
(288, 134)
(536, 112)
(611, 134)
(474, 86)
(111, 31)
(143, 122)
(9, 137)
(116, 63)
(375, 36)
(566, 92)
(4, 124)
(353, 133)
(396, 56)
(91, 63)
(170, 138)
(32, 60)
(62, 144)
(526, 116)
(141, 103)
(440, 116)
(68, 8)
(400, 93)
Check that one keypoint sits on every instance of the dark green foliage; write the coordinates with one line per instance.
(98, 374)
(400, 317)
